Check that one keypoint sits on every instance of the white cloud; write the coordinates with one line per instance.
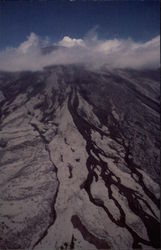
(32, 41)
(71, 42)
(90, 51)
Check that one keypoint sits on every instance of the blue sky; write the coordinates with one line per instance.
(139, 20)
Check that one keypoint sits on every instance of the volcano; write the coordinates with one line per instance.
(79, 159)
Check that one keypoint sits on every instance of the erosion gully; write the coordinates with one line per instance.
(151, 224)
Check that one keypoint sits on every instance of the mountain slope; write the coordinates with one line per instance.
(79, 159)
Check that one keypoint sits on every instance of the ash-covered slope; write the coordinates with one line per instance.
(79, 159)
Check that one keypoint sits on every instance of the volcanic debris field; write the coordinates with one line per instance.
(79, 159)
